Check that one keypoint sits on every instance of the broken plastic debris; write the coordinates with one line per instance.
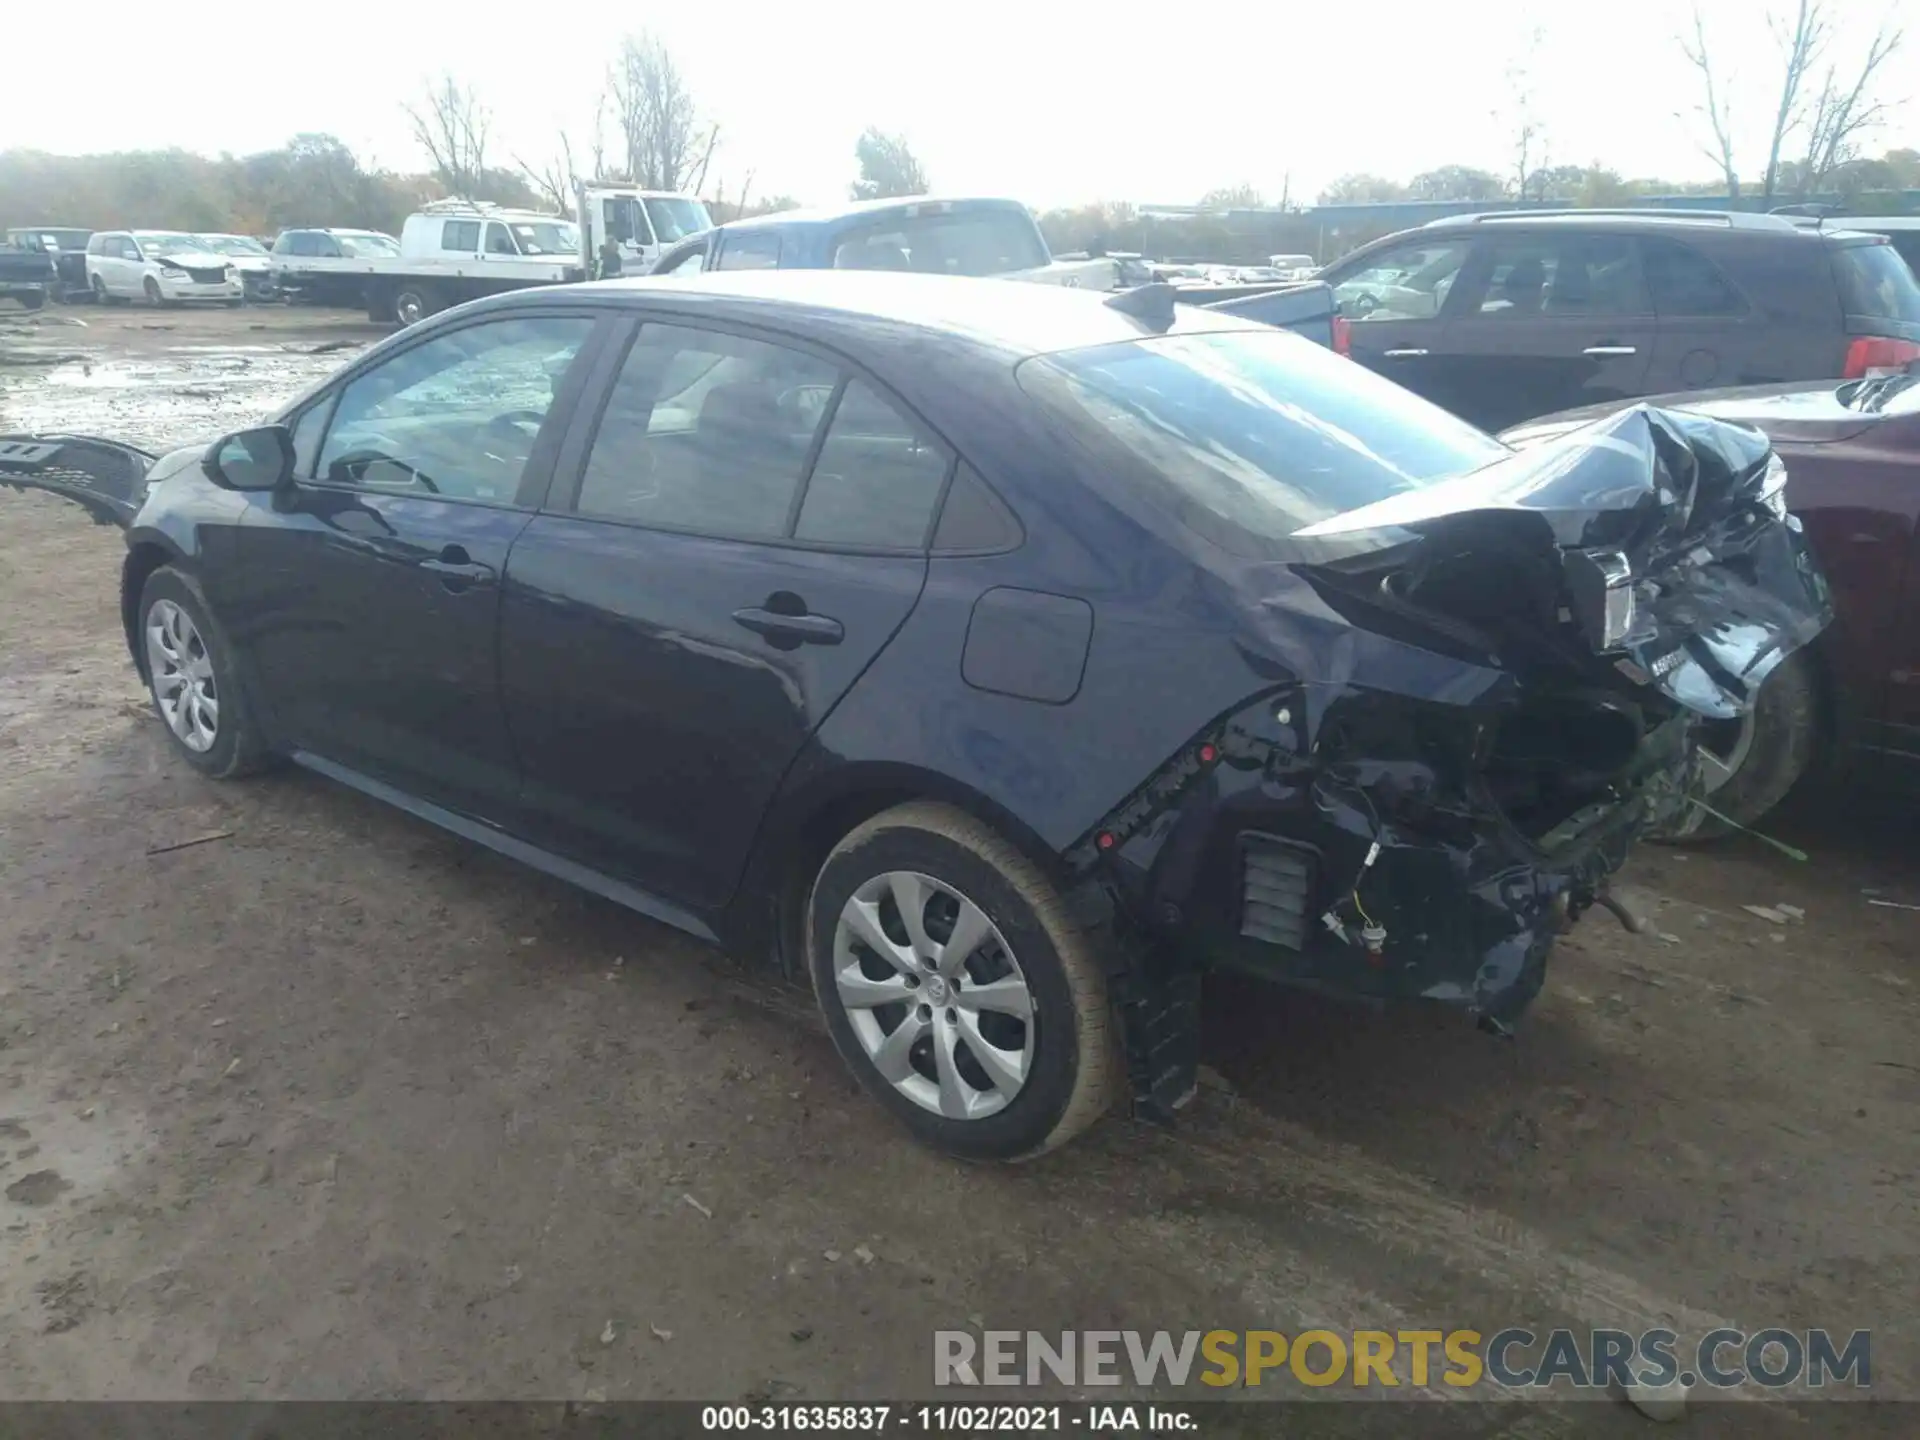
(698, 1206)
(863, 1254)
(660, 1334)
(608, 1334)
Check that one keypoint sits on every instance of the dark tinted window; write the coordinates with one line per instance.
(1875, 283)
(706, 432)
(877, 479)
(750, 250)
(460, 235)
(973, 517)
(499, 242)
(455, 416)
(1562, 275)
(1251, 435)
(988, 241)
(1682, 281)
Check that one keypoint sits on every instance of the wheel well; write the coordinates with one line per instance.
(774, 896)
(1834, 721)
(142, 560)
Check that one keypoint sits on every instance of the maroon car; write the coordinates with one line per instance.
(1852, 451)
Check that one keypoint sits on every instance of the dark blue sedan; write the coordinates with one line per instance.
(999, 657)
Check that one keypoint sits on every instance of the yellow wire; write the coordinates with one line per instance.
(1361, 908)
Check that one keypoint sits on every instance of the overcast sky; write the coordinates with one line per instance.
(1053, 103)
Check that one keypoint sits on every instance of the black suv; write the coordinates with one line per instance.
(1503, 317)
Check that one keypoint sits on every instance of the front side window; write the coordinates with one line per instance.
(455, 416)
(1249, 436)
(706, 432)
(675, 217)
(1410, 282)
(364, 245)
(750, 250)
(878, 477)
(499, 242)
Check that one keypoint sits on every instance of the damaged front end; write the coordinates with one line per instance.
(1434, 789)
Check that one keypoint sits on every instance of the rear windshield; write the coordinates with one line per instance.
(1251, 435)
(1875, 283)
(952, 242)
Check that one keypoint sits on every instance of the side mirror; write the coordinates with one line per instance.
(257, 459)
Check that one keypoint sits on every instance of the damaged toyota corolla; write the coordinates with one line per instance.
(999, 659)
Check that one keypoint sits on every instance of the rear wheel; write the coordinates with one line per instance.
(414, 303)
(1750, 763)
(956, 987)
(100, 295)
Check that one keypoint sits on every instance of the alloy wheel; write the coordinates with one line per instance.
(182, 671)
(934, 995)
(1723, 747)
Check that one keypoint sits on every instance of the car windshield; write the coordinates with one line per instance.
(676, 217)
(1249, 436)
(167, 240)
(1875, 283)
(992, 241)
(546, 237)
(232, 244)
(364, 244)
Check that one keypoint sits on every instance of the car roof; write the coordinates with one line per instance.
(1018, 318)
(861, 209)
(1692, 220)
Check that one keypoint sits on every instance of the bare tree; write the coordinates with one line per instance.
(1842, 112)
(1530, 133)
(452, 126)
(1800, 48)
(1716, 109)
(553, 179)
(667, 146)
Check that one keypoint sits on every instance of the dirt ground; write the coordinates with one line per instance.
(334, 1105)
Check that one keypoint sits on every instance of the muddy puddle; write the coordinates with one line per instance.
(162, 400)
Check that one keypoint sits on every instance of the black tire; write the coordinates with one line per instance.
(237, 748)
(235, 304)
(1074, 1073)
(33, 301)
(154, 298)
(100, 295)
(414, 303)
(380, 305)
(1785, 741)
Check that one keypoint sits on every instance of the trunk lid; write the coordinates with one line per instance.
(1664, 535)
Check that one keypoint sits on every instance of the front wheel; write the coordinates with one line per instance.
(1749, 764)
(152, 289)
(191, 676)
(956, 987)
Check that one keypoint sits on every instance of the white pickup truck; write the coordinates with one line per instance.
(455, 250)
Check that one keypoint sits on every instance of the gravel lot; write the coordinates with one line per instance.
(334, 1105)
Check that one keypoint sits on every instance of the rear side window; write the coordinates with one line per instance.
(877, 479)
(749, 250)
(988, 241)
(1562, 275)
(1248, 436)
(706, 432)
(460, 235)
(1682, 281)
(1875, 283)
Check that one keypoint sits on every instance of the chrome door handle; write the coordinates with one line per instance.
(1401, 354)
(1610, 350)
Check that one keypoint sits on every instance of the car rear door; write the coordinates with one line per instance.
(738, 526)
(1545, 321)
(370, 595)
(1395, 301)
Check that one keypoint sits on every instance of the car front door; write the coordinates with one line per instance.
(726, 551)
(1395, 302)
(1545, 322)
(372, 589)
